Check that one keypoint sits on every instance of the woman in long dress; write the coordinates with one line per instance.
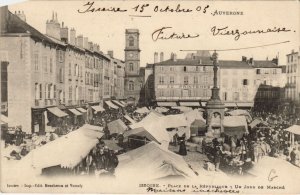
(182, 146)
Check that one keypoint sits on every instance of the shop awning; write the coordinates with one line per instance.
(129, 119)
(122, 102)
(82, 110)
(230, 104)
(111, 105)
(57, 112)
(98, 108)
(75, 112)
(245, 104)
(118, 103)
(189, 103)
(142, 110)
(169, 104)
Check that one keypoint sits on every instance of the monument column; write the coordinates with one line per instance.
(215, 107)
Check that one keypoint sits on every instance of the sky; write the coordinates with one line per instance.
(108, 28)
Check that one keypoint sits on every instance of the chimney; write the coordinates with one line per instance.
(3, 19)
(85, 43)
(98, 48)
(95, 47)
(155, 57)
(175, 57)
(53, 27)
(91, 46)
(110, 53)
(244, 59)
(21, 15)
(251, 61)
(80, 41)
(64, 33)
(161, 56)
(73, 36)
(275, 61)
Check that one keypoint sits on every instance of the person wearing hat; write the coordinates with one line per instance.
(293, 156)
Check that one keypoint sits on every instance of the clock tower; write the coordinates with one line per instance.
(134, 80)
(132, 52)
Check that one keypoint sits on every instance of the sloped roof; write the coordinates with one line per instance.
(264, 64)
(16, 25)
(188, 62)
(234, 64)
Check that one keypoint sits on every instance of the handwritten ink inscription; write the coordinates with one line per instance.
(160, 34)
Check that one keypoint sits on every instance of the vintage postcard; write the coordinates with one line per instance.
(150, 97)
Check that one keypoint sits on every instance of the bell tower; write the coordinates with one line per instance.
(132, 52)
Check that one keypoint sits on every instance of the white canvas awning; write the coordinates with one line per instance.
(245, 104)
(168, 104)
(130, 119)
(230, 104)
(82, 110)
(161, 109)
(66, 151)
(75, 112)
(182, 108)
(111, 105)
(142, 110)
(118, 103)
(189, 103)
(98, 108)
(152, 161)
(57, 112)
(295, 129)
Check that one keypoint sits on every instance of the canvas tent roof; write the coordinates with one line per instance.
(141, 132)
(129, 119)
(75, 112)
(295, 129)
(152, 124)
(118, 103)
(98, 108)
(182, 108)
(255, 122)
(152, 161)
(174, 121)
(66, 151)
(235, 125)
(193, 115)
(239, 112)
(82, 110)
(116, 126)
(112, 145)
(161, 109)
(111, 105)
(142, 110)
(57, 112)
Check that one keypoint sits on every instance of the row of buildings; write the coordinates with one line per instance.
(59, 70)
(245, 83)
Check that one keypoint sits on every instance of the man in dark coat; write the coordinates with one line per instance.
(182, 146)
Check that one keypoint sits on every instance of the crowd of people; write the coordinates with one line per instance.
(268, 137)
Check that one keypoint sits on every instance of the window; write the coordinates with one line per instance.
(70, 69)
(130, 66)
(195, 80)
(44, 62)
(70, 93)
(51, 65)
(171, 79)
(204, 68)
(36, 89)
(205, 80)
(245, 81)
(49, 91)
(41, 91)
(54, 91)
(184, 69)
(161, 80)
(131, 86)
(36, 61)
(131, 41)
(258, 71)
(75, 69)
(61, 76)
(186, 80)
(225, 96)
(60, 56)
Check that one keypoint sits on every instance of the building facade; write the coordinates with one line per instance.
(236, 83)
(293, 76)
(133, 80)
(183, 79)
(52, 73)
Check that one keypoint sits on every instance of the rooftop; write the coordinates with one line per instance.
(234, 64)
(264, 64)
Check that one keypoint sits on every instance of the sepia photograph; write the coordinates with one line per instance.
(150, 97)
